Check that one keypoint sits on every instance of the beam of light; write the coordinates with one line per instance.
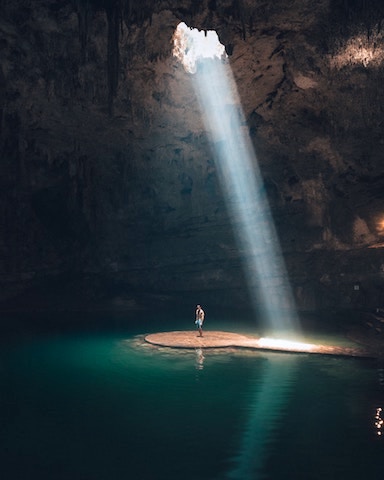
(243, 188)
(288, 345)
(266, 409)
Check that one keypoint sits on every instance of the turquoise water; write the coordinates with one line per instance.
(107, 405)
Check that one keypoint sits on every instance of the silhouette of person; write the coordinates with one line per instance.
(200, 315)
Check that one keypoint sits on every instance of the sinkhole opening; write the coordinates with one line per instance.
(191, 45)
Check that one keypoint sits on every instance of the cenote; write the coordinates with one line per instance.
(104, 404)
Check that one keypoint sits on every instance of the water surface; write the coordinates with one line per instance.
(106, 405)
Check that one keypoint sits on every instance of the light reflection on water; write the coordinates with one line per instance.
(114, 407)
(266, 410)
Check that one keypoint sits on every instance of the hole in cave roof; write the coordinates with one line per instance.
(191, 45)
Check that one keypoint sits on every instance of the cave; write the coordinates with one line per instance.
(111, 196)
(113, 205)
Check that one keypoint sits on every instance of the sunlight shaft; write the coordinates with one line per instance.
(239, 175)
(246, 200)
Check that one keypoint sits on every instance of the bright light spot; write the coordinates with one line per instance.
(380, 226)
(360, 50)
(379, 422)
(277, 344)
(192, 45)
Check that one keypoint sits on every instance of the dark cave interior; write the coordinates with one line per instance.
(110, 196)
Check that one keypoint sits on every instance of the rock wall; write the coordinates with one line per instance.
(109, 190)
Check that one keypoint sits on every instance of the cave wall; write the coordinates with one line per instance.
(109, 187)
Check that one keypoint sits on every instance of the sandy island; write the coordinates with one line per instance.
(218, 339)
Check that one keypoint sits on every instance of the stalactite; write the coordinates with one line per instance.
(113, 9)
(357, 17)
(113, 61)
(2, 100)
(239, 13)
(212, 5)
(135, 12)
(83, 9)
(368, 12)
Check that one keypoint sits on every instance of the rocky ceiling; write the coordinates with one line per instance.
(109, 191)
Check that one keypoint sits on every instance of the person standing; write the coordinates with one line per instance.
(200, 315)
